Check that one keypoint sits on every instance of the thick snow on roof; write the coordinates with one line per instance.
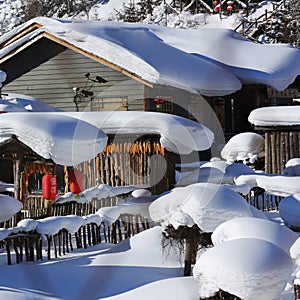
(177, 134)
(246, 147)
(21, 103)
(241, 266)
(275, 116)
(65, 140)
(207, 61)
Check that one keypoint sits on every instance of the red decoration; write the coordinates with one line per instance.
(158, 101)
(229, 3)
(217, 8)
(76, 181)
(215, 2)
(229, 8)
(49, 186)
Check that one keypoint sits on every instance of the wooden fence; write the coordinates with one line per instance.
(28, 246)
(258, 198)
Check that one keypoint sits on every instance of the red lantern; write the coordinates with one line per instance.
(229, 8)
(76, 181)
(49, 186)
(215, 2)
(217, 8)
(229, 3)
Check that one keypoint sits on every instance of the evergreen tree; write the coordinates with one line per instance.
(130, 13)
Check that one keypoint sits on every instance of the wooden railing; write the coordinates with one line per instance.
(247, 25)
(28, 246)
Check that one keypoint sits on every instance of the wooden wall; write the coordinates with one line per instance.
(52, 79)
(132, 162)
(281, 144)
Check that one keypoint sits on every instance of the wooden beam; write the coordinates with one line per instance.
(19, 35)
(23, 46)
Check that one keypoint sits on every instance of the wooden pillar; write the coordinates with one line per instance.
(18, 169)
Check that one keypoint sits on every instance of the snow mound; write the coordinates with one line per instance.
(246, 147)
(184, 287)
(292, 167)
(141, 193)
(241, 266)
(9, 206)
(289, 210)
(21, 103)
(207, 204)
(217, 171)
(143, 249)
(256, 228)
(101, 191)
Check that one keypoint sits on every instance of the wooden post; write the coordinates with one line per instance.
(296, 292)
(48, 246)
(7, 245)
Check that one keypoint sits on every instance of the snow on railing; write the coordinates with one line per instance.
(111, 224)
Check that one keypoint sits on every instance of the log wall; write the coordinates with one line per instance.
(130, 161)
(281, 144)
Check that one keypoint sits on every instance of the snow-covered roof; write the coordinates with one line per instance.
(177, 134)
(65, 140)
(206, 61)
(17, 103)
(71, 138)
(275, 116)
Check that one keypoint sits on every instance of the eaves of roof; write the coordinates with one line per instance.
(33, 33)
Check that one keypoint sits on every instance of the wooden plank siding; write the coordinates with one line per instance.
(53, 82)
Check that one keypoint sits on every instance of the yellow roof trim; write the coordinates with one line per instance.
(19, 35)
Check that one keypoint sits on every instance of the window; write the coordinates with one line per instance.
(107, 104)
(35, 181)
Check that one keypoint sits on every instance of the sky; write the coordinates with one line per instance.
(139, 268)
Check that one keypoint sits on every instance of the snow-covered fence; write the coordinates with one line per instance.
(61, 234)
(248, 27)
(25, 245)
(258, 198)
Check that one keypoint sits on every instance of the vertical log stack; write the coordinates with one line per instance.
(281, 144)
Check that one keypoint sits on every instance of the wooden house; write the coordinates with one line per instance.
(85, 66)
(75, 69)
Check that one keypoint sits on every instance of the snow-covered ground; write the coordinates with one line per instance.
(255, 255)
